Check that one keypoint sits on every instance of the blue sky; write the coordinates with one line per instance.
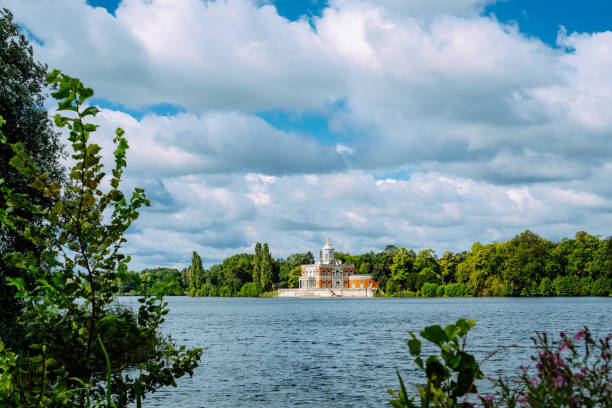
(423, 124)
(540, 18)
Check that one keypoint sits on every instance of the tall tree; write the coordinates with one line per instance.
(196, 272)
(267, 268)
(22, 86)
(401, 269)
(257, 265)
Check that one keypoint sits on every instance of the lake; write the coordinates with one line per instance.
(280, 352)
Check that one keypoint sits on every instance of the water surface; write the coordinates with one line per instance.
(281, 352)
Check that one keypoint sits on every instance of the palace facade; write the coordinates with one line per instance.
(330, 273)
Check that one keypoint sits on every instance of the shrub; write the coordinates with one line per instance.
(449, 376)
(545, 288)
(429, 289)
(440, 290)
(455, 290)
(405, 293)
(225, 291)
(571, 372)
(566, 285)
(249, 289)
(602, 287)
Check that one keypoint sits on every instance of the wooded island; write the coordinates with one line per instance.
(526, 265)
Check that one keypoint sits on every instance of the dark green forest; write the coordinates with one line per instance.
(526, 265)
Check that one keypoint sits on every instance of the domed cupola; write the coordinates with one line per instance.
(327, 253)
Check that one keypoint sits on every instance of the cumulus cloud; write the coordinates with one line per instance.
(213, 143)
(360, 213)
(498, 131)
(191, 53)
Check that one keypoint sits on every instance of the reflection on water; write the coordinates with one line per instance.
(343, 352)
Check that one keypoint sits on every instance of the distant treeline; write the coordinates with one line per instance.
(527, 265)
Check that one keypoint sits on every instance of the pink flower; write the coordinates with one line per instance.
(489, 398)
(534, 381)
(579, 335)
(583, 370)
(522, 400)
(563, 346)
(558, 382)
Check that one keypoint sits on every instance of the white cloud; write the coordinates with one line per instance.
(199, 55)
(427, 211)
(214, 142)
(500, 132)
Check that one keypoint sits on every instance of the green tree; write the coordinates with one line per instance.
(195, 275)
(294, 277)
(68, 312)
(579, 262)
(22, 86)
(267, 268)
(448, 266)
(237, 271)
(525, 261)
(288, 265)
(401, 269)
(257, 265)
(365, 268)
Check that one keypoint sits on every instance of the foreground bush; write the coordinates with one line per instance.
(570, 372)
(68, 311)
(573, 371)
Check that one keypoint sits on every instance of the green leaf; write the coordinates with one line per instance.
(434, 334)
(465, 325)
(415, 347)
(17, 162)
(419, 362)
(435, 371)
(17, 282)
(90, 111)
(89, 127)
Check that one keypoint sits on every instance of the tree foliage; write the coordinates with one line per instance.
(526, 265)
(22, 89)
(68, 311)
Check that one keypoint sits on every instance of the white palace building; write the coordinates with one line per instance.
(329, 277)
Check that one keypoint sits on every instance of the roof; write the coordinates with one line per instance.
(327, 245)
